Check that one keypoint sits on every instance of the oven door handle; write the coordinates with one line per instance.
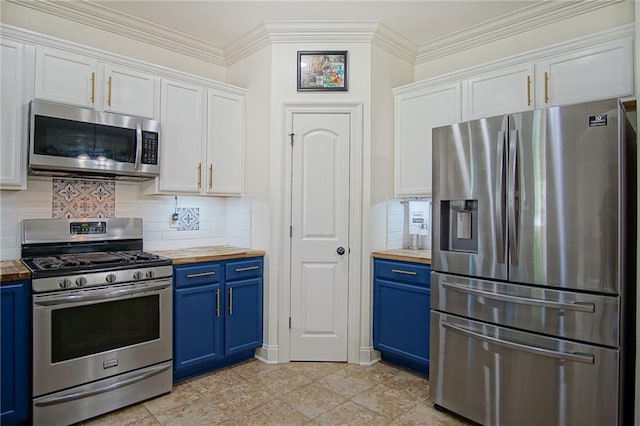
(89, 296)
(72, 396)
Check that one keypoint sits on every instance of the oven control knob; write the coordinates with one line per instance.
(110, 278)
(150, 274)
(66, 283)
(81, 281)
(137, 275)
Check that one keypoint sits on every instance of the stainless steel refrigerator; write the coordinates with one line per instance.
(533, 289)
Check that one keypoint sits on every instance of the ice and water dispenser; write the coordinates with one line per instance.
(459, 226)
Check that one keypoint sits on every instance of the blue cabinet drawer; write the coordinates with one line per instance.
(407, 272)
(243, 269)
(197, 274)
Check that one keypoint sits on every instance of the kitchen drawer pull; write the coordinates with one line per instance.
(73, 396)
(570, 306)
(201, 274)
(400, 271)
(248, 268)
(569, 356)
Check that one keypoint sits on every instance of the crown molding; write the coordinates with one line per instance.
(105, 19)
(529, 18)
(276, 32)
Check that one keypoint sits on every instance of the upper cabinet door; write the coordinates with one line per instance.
(503, 91)
(66, 77)
(130, 92)
(417, 113)
(12, 116)
(225, 143)
(599, 72)
(182, 121)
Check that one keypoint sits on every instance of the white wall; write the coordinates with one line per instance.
(254, 73)
(387, 72)
(617, 14)
(30, 19)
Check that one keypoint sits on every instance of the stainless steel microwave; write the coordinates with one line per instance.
(66, 140)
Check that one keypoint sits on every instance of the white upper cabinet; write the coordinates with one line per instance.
(84, 81)
(201, 141)
(602, 71)
(65, 77)
(182, 137)
(225, 143)
(12, 115)
(130, 92)
(417, 113)
(509, 89)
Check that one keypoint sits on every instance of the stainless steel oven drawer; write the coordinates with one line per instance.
(586, 317)
(500, 376)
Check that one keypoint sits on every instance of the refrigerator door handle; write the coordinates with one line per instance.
(567, 356)
(499, 208)
(513, 196)
(569, 306)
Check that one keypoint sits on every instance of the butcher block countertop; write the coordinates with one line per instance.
(407, 255)
(207, 254)
(13, 270)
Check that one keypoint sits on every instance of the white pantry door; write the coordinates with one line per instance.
(319, 237)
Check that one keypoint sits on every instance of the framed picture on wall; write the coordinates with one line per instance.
(322, 71)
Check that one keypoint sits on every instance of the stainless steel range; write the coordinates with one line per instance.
(102, 317)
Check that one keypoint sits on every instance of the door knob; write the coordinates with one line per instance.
(340, 251)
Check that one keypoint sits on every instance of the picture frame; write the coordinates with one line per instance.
(322, 71)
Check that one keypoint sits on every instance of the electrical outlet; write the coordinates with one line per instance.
(173, 222)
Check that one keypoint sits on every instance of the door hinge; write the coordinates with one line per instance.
(291, 135)
(290, 231)
(289, 323)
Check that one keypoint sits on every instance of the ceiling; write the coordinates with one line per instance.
(220, 23)
(224, 31)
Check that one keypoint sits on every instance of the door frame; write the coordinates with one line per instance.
(355, 112)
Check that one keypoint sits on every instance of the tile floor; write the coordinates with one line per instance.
(297, 393)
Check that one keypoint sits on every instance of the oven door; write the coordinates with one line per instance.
(84, 335)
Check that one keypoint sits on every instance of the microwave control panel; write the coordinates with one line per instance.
(149, 147)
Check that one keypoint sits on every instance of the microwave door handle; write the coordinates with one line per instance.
(138, 145)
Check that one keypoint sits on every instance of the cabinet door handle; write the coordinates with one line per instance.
(218, 302)
(248, 268)
(230, 301)
(546, 87)
(210, 175)
(201, 274)
(199, 175)
(528, 90)
(109, 92)
(93, 87)
(400, 271)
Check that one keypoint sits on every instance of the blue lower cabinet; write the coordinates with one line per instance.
(243, 321)
(217, 314)
(15, 361)
(401, 303)
(197, 326)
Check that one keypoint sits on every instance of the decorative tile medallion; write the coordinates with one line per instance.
(73, 198)
(188, 218)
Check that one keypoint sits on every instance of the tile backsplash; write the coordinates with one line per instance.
(188, 218)
(207, 221)
(398, 229)
(73, 198)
